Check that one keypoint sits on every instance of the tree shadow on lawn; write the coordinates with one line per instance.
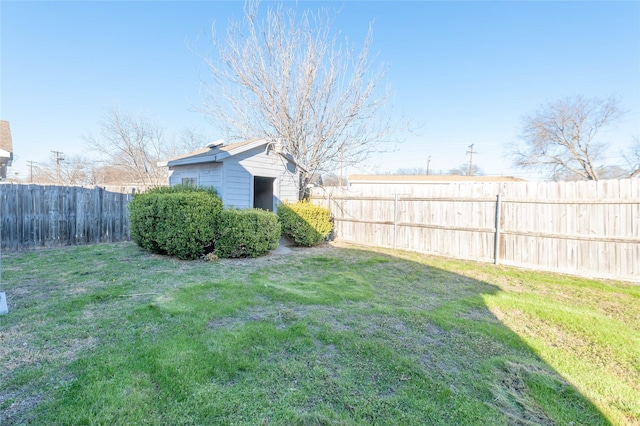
(323, 336)
(424, 337)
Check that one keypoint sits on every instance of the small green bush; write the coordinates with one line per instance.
(246, 233)
(177, 221)
(305, 223)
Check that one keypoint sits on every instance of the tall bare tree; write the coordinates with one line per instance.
(559, 139)
(290, 76)
(133, 145)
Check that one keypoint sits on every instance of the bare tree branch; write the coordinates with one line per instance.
(633, 158)
(290, 76)
(73, 170)
(132, 145)
(560, 138)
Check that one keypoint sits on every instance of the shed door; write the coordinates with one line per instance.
(263, 193)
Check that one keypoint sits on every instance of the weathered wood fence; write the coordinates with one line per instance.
(51, 216)
(584, 228)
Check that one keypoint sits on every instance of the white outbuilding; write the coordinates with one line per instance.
(256, 173)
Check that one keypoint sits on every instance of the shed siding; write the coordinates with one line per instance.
(209, 174)
(238, 185)
(274, 165)
(288, 186)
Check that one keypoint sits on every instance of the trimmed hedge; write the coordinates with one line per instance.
(305, 223)
(246, 233)
(177, 221)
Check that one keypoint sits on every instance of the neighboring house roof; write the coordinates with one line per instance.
(393, 179)
(6, 144)
(217, 154)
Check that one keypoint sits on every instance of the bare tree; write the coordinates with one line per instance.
(633, 158)
(43, 173)
(191, 139)
(410, 171)
(331, 179)
(76, 170)
(292, 77)
(134, 145)
(560, 138)
(108, 174)
(73, 170)
(463, 170)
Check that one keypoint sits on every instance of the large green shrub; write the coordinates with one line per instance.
(178, 221)
(246, 233)
(305, 223)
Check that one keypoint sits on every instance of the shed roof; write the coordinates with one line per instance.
(215, 154)
(394, 179)
(219, 153)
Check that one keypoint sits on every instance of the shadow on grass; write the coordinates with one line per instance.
(323, 336)
(424, 331)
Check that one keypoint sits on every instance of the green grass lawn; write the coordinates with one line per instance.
(334, 335)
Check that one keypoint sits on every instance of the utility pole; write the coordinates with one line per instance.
(428, 162)
(59, 158)
(471, 152)
(31, 163)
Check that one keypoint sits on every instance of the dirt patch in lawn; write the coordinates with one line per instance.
(26, 349)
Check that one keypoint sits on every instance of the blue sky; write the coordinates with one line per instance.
(466, 71)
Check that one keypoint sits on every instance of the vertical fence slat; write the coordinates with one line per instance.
(52, 216)
(586, 228)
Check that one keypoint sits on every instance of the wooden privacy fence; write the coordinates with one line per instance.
(50, 216)
(584, 228)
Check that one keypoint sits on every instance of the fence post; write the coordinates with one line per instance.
(496, 244)
(395, 219)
